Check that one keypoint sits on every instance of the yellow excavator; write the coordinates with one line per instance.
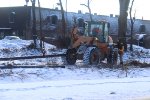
(93, 45)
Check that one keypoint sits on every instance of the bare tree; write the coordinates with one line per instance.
(122, 21)
(88, 6)
(41, 36)
(132, 20)
(63, 19)
(34, 23)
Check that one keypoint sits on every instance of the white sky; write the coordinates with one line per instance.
(103, 7)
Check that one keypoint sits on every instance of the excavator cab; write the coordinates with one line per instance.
(98, 29)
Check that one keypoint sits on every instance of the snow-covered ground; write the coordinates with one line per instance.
(72, 82)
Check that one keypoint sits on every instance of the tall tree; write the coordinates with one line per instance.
(41, 37)
(63, 19)
(34, 23)
(132, 20)
(88, 6)
(122, 21)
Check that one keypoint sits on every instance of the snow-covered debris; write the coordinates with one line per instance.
(139, 54)
(11, 37)
(14, 44)
(139, 36)
(21, 48)
(14, 47)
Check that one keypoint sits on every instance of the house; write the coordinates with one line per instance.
(18, 21)
(15, 19)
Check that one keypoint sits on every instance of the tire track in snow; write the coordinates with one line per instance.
(71, 85)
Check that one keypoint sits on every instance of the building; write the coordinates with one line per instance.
(19, 20)
(13, 20)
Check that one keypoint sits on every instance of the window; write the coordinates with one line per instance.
(142, 29)
(12, 17)
(80, 22)
(54, 19)
(96, 30)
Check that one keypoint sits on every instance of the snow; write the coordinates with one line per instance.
(76, 90)
(139, 36)
(139, 54)
(74, 82)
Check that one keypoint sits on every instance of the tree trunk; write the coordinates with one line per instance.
(122, 22)
(41, 35)
(88, 6)
(132, 26)
(34, 23)
(63, 20)
(90, 10)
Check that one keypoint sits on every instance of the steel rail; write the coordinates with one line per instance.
(31, 66)
(31, 57)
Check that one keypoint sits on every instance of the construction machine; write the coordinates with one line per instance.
(93, 45)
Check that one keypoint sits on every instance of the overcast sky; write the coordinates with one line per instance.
(103, 7)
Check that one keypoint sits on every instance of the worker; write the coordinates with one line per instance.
(95, 31)
(120, 46)
(110, 40)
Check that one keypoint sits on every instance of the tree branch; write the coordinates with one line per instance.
(84, 5)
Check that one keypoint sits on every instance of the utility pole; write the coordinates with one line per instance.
(34, 23)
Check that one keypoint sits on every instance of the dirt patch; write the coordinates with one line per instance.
(137, 63)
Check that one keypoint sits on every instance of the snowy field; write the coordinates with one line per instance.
(72, 82)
